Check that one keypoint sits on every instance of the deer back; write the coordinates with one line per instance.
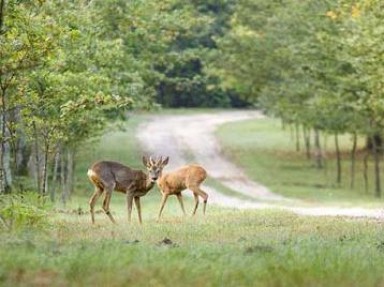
(182, 178)
(114, 174)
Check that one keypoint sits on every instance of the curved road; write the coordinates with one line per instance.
(190, 138)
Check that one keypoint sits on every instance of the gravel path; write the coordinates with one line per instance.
(190, 138)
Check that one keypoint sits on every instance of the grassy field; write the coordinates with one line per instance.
(267, 153)
(227, 247)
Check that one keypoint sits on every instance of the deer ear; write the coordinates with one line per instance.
(145, 161)
(165, 161)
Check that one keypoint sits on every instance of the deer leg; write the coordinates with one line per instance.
(138, 207)
(106, 202)
(163, 201)
(95, 196)
(198, 192)
(180, 198)
(129, 204)
(204, 195)
(196, 203)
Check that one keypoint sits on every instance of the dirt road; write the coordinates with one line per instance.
(190, 138)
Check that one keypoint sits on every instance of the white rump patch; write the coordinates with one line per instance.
(91, 173)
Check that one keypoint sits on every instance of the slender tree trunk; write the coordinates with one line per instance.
(18, 146)
(22, 157)
(297, 133)
(69, 175)
(2, 6)
(353, 160)
(307, 140)
(63, 180)
(318, 154)
(2, 143)
(376, 156)
(365, 172)
(3, 110)
(22, 150)
(338, 159)
(45, 169)
(37, 160)
(7, 159)
(5, 149)
(55, 173)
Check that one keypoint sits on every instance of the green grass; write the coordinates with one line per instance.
(227, 247)
(268, 155)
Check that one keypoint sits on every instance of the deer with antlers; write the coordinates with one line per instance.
(187, 177)
(108, 176)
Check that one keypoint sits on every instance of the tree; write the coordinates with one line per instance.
(313, 63)
(184, 81)
(25, 41)
(65, 78)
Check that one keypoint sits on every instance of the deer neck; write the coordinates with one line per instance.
(149, 184)
(160, 179)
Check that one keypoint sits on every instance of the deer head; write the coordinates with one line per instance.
(154, 167)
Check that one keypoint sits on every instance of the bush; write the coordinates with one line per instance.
(22, 210)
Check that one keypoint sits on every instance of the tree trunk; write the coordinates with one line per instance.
(373, 141)
(297, 133)
(22, 150)
(353, 160)
(365, 172)
(376, 157)
(318, 154)
(307, 140)
(22, 157)
(55, 175)
(69, 176)
(45, 169)
(5, 150)
(2, 8)
(7, 158)
(3, 110)
(338, 159)
(63, 180)
(2, 142)
(37, 160)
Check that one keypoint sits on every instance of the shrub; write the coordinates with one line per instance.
(22, 210)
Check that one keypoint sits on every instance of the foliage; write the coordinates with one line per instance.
(313, 63)
(70, 69)
(184, 81)
(65, 79)
(296, 55)
(18, 211)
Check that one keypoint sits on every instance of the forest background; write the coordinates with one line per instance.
(77, 77)
(69, 70)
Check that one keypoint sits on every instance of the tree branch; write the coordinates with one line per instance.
(2, 8)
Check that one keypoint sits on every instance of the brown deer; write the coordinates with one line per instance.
(187, 177)
(108, 176)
